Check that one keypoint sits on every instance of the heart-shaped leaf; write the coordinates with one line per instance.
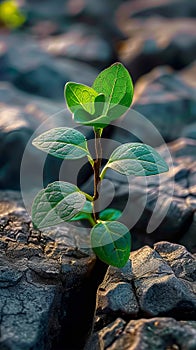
(65, 143)
(58, 202)
(116, 84)
(136, 159)
(111, 242)
(80, 96)
(110, 214)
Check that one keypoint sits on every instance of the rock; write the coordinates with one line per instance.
(164, 98)
(155, 282)
(165, 8)
(156, 42)
(106, 336)
(167, 101)
(159, 289)
(155, 333)
(179, 259)
(37, 72)
(188, 239)
(116, 296)
(82, 43)
(21, 116)
(40, 275)
(189, 131)
(163, 282)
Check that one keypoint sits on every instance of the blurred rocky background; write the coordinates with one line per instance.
(44, 44)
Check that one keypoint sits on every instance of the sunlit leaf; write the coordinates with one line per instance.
(116, 84)
(80, 96)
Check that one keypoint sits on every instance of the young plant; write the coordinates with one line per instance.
(109, 97)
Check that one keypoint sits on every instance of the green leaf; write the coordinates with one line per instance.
(97, 119)
(110, 214)
(80, 96)
(85, 212)
(111, 242)
(136, 159)
(116, 84)
(58, 202)
(65, 143)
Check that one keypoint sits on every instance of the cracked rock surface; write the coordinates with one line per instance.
(38, 277)
(156, 307)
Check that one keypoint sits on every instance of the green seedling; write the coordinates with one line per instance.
(109, 97)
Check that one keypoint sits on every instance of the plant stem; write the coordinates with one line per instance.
(88, 196)
(96, 168)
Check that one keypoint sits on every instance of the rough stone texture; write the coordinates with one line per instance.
(143, 334)
(156, 42)
(162, 282)
(159, 289)
(22, 118)
(155, 282)
(116, 295)
(37, 72)
(39, 274)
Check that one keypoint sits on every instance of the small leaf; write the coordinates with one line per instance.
(65, 143)
(58, 202)
(80, 96)
(116, 84)
(136, 159)
(110, 214)
(85, 212)
(111, 242)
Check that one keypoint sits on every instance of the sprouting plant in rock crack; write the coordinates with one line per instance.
(109, 97)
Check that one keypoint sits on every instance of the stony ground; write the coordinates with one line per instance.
(48, 280)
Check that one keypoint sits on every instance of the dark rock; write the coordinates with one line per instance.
(179, 259)
(162, 281)
(165, 8)
(21, 116)
(155, 334)
(116, 296)
(37, 72)
(39, 278)
(166, 99)
(188, 239)
(189, 131)
(156, 42)
(106, 336)
(159, 289)
(155, 282)
(82, 43)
